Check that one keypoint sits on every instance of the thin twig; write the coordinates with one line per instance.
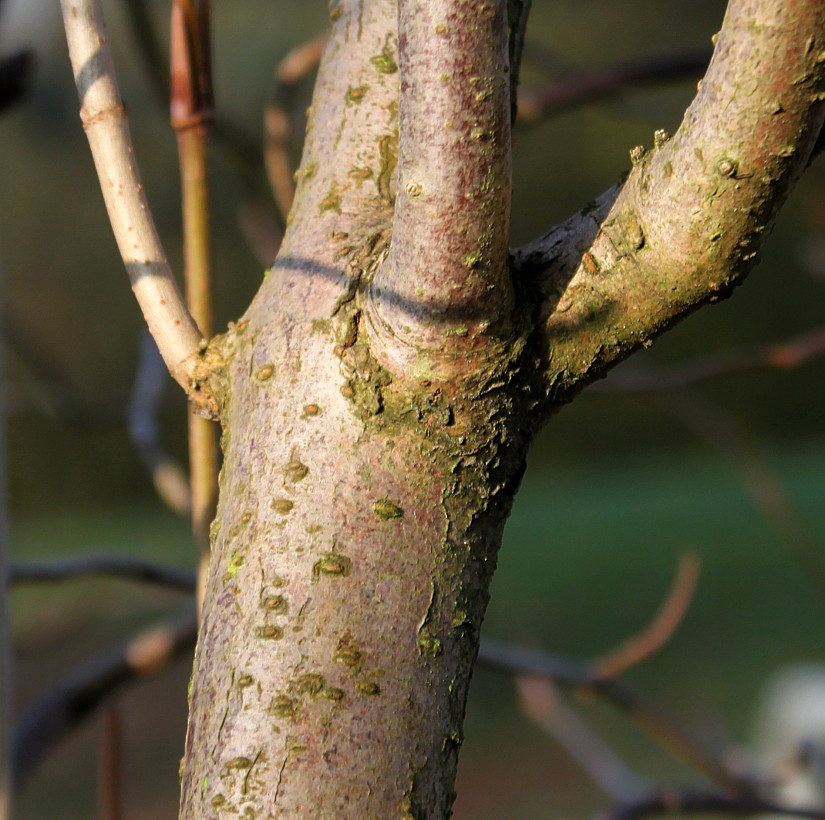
(725, 434)
(567, 672)
(171, 483)
(277, 129)
(536, 105)
(118, 566)
(105, 121)
(785, 355)
(74, 696)
(545, 707)
(518, 12)
(149, 48)
(688, 802)
(7, 680)
(15, 72)
(192, 112)
(110, 795)
(670, 615)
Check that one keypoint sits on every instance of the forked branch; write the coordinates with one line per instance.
(106, 125)
(687, 225)
(444, 289)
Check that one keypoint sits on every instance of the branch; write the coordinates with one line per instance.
(721, 430)
(104, 119)
(538, 104)
(15, 73)
(567, 672)
(687, 802)
(647, 643)
(686, 226)
(72, 698)
(778, 356)
(444, 290)
(192, 111)
(169, 479)
(277, 131)
(541, 703)
(518, 12)
(119, 566)
(110, 787)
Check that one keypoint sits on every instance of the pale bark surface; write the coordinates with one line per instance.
(379, 395)
(360, 512)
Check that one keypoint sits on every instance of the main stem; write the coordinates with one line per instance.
(361, 504)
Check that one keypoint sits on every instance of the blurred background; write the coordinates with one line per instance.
(619, 485)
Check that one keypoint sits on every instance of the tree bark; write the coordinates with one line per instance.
(361, 509)
(379, 395)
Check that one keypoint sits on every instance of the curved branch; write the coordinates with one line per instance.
(277, 127)
(567, 672)
(445, 290)
(73, 697)
(660, 630)
(537, 104)
(143, 424)
(691, 802)
(785, 355)
(119, 566)
(686, 226)
(105, 122)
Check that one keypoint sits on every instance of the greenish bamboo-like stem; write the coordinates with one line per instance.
(6, 664)
(191, 112)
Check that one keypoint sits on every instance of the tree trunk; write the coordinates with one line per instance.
(361, 509)
(380, 393)
(353, 550)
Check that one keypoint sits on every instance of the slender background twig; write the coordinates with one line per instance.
(192, 112)
(78, 693)
(113, 566)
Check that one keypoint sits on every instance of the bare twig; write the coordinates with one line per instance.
(518, 11)
(72, 698)
(15, 70)
(170, 482)
(785, 355)
(6, 653)
(277, 130)
(260, 224)
(538, 104)
(642, 646)
(105, 121)
(192, 111)
(545, 707)
(688, 802)
(520, 660)
(721, 430)
(110, 795)
(118, 566)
